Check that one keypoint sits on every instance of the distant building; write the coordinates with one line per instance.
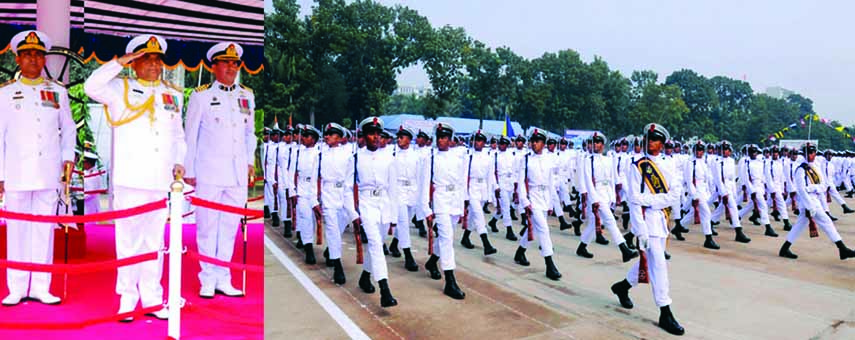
(778, 92)
(418, 91)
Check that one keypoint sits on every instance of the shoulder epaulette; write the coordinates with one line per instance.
(8, 82)
(172, 86)
(203, 87)
(246, 88)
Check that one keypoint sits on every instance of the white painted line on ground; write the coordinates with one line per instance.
(330, 307)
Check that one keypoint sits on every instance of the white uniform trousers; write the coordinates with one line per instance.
(138, 235)
(285, 213)
(607, 220)
(822, 222)
(268, 196)
(30, 242)
(541, 233)
(443, 244)
(761, 206)
(476, 221)
(333, 229)
(778, 202)
(704, 215)
(564, 192)
(556, 203)
(402, 230)
(657, 270)
(505, 204)
(835, 195)
(374, 260)
(305, 220)
(719, 211)
(216, 231)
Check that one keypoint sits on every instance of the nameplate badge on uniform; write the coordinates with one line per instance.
(215, 101)
(170, 102)
(244, 105)
(50, 99)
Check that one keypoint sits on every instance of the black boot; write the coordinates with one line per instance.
(770, 232)
(567, 208)
(582, 251)
(409, 262)
(287, 233)
(847, 210)
(310, 253)
(776, 215)
(628, 238)
(365, 282)
(785, 251)
(714, 223)
(624, 220)
(551, 270)
(386, 298)
(830, 216)
(755, 216)
(787, 225)
(710, 243)
(488, 248)
(338, 273)
(275, 216)
(485, 209)
(465, 240)
(714, 232)
(299, 244)
(850, 194)
(524, 220)
(451, 288)
(266, 212)
(601, 240)
(678, 233)
(576, 224)
(845, 253)
(679, 225)
(621, 289)
(362, 236)
(510, 234)
(740, 236)
(626, 253)
(564, 224)
(393, 248)
(385, 250)
(668, 323)
(421, 226)
(492, 225)
(519, 257)
(514, 214)
(430, 266)
(327, 260)
(667, 255)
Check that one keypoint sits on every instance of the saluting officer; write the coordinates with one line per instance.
(149, 146)
(39, 134)
(220, 148)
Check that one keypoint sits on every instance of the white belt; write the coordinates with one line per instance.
(477, 180)
(307, 179)
(372, 192)
(604, 183)
(449, 187)
(537, 187)
(508, 175)
(337, 184)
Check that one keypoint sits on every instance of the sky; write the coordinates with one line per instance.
(798, 45)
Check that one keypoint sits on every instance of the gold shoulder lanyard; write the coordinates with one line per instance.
(135, 110)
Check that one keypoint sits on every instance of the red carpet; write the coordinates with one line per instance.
(92, 295)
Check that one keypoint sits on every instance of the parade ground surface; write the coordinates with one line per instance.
(743, 291)
(92, 295)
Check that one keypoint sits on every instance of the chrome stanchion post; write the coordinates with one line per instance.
(176, 198)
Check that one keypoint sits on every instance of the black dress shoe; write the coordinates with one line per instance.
(451, 288)
(465, 240)
(430, 266)
(710, 243)
(600, 239)
(519, 257)
(668, 323)
(785, 251)
(488, 248)
(830, 216)
(787, 225)
(628, 238)
(338, 272)
(576, 230)
(621, 289)
(510, 234)
(678, 234)
(409, 262)
(485, 209)
(582, 250)
(551, 270)
(563, 224)
(667, 256)
(393, 248)
(386, 298)
(626, 253)
(514, 214)
(740, 236)
(845, 253)
(365, 282)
